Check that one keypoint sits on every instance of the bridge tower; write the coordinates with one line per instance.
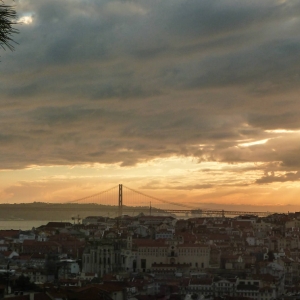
(120, 200)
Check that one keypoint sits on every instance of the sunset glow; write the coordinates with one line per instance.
(194, 102)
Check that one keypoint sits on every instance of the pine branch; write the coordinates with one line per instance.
(8, 18)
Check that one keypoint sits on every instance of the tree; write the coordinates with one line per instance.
(8, 18)
(23, 284)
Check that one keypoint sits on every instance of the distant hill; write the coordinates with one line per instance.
(47, 211)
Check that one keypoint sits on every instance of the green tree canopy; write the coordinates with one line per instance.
(8, 18)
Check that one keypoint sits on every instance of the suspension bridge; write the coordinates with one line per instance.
(129, 200)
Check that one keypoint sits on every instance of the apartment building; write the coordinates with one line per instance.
(150, 252)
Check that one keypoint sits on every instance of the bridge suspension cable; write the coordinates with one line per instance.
(92, 196)
(160, 200)
(115, 197)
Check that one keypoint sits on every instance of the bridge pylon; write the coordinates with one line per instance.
(120, 210)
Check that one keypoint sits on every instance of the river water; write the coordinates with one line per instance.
(24, 224)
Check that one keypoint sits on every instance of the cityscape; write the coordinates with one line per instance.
(154, 257)
(149, 150)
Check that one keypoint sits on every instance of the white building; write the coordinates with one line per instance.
(67, 268)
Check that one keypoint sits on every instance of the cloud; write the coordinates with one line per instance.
(281, 178)
(127, 82)
(160, 185)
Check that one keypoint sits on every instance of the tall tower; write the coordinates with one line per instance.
(120, 200)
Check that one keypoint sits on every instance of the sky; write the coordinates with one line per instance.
(190, 101)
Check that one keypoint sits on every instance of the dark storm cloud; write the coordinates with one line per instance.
(23, 91)
(287, 120)
(128, 81)
(207, 18)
